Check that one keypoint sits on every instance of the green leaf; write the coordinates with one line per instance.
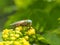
(52, 37)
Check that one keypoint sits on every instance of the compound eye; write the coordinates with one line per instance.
(29, 21)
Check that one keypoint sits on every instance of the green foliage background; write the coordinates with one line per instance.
(45, 15)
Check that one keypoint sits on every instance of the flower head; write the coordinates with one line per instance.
(31, 31)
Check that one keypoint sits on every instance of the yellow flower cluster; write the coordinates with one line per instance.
(18, 36)
(6, 43)
(22, 41)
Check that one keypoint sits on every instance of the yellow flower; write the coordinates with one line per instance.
(17, 35)
(11, 35)
(16, 43)
(5, 36)
(26, 43)
(13, 38)
(18, 32)
(6, 31)
(26, 37)
(23, 39)
(18, 28)
(31, 31)
(7, 42)
(1, 43)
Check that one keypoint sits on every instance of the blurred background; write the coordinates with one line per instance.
(45, 15)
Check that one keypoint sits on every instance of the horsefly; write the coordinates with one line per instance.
(22, 23)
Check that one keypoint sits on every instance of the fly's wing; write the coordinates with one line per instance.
(15, 23)
(22, 22)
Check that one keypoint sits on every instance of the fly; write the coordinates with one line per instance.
(22, 23)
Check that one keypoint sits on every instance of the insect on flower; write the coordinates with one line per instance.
(22, 23)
